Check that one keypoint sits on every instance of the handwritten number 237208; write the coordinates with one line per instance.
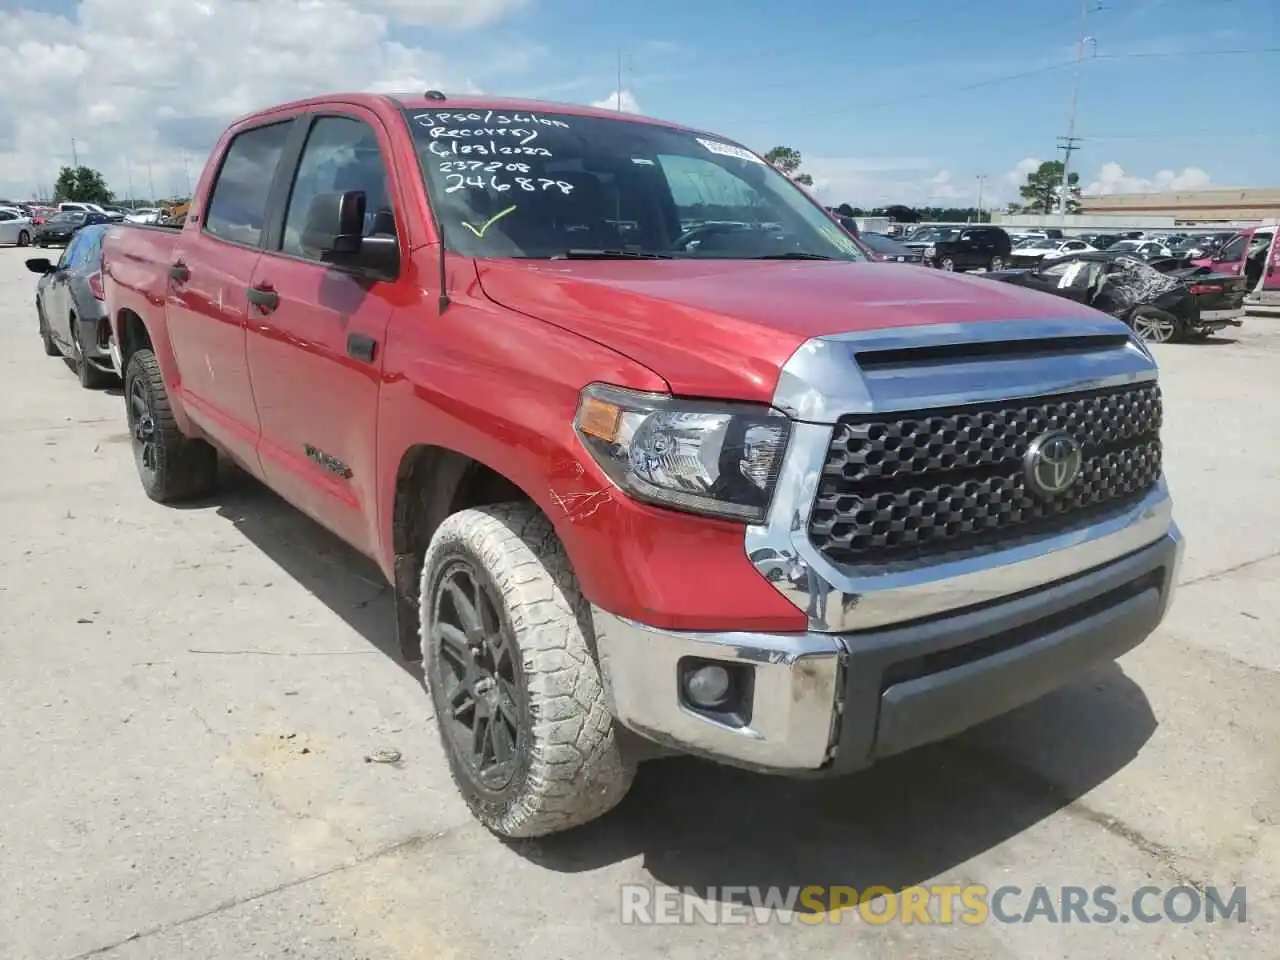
(458, 181)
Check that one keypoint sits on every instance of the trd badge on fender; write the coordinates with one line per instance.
(332, 464)
(1052, 463)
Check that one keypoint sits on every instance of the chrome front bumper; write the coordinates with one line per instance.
(823, 702)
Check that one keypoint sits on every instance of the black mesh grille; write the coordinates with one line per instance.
(908, 485)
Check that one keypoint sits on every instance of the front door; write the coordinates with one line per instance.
(317, 336)
(57, 295)
(209, 279)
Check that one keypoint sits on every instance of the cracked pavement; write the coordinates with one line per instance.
(188, 698)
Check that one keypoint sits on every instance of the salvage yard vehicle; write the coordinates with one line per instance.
(15, 227)
(1042, 251)
(733, 492)
(1254, 254)
(968, 248)
(70, 308)
(59, 228)
(1178, 304)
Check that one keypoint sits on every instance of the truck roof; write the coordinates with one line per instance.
(420, 101)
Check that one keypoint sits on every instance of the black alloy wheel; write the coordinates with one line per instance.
(142, 430)
(481, 674)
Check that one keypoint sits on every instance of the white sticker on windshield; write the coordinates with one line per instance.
(1070, 274)
(729, 150)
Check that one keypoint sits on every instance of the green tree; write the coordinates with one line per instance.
(788, 160)
(82, 184)
(1042, 192)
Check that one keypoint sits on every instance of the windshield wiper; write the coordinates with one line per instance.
(793, 255)
(586, 254)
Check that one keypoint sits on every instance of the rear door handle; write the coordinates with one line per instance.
(361, 347)
(179, 272)
(264, 297)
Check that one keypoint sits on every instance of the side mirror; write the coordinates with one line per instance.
(335, 224)
(334, 227)
(41, 265)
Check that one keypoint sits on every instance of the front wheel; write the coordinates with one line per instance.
(947, 264)
(46, 337)
(1154, 325)
(91, 378)
(172, 467)
(24, 238)
(507, 652)
(997, 263)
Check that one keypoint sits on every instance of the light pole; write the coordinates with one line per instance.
(1068, 143)
(982, 179)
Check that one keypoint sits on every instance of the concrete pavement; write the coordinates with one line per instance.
(188, 698)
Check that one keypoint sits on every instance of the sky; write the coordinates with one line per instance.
(922, 102)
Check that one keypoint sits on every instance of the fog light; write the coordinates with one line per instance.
(707, 686)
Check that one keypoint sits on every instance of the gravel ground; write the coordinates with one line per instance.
(188, 698)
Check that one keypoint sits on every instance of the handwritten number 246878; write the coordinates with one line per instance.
(458, 181)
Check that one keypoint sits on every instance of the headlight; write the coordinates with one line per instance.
(930, 251)
(717, 459)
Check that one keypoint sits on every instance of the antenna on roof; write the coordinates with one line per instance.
(434, 95)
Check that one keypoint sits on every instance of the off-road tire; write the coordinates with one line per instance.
(46, 338)
(185, 469)
(569, 767)
(91, 378)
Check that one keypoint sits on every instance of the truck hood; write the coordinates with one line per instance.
(724, 328)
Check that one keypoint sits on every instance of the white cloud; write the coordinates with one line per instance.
(625, 101)
(153, 84)
(1111, 178)
(1017, 176)
(871, 181)
(450, 14)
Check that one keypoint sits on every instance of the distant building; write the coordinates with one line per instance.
(1233, 204)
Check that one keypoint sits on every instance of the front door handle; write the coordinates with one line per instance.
(264, 297)
(179, 272)
(361, 347)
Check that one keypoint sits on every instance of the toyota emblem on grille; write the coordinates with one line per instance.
(1052, 463)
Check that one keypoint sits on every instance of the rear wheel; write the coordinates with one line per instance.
(997, 263)
(507, 651)
(172, 467)
(1153, 325)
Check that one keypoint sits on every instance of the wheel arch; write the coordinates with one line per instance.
(432, 483)
(134, 333)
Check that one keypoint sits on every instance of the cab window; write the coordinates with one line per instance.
(238, 205)
(341, 154)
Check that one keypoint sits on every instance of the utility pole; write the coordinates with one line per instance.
(151, 181)
(1068, 143)
(982, 179)
(186, 171)
(75, 158)
(128, 169)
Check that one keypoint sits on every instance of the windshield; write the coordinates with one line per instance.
(67, 217)
(517, 184)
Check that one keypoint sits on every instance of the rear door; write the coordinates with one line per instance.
(209, 278)
(316, 343)
(974, 249)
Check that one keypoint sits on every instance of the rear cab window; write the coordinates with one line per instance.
(237, 208)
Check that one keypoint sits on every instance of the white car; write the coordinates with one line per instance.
(15, 227)
(144, 215)
(1049, 249)
(1144, 249)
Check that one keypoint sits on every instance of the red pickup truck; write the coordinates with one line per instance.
(653, 457)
